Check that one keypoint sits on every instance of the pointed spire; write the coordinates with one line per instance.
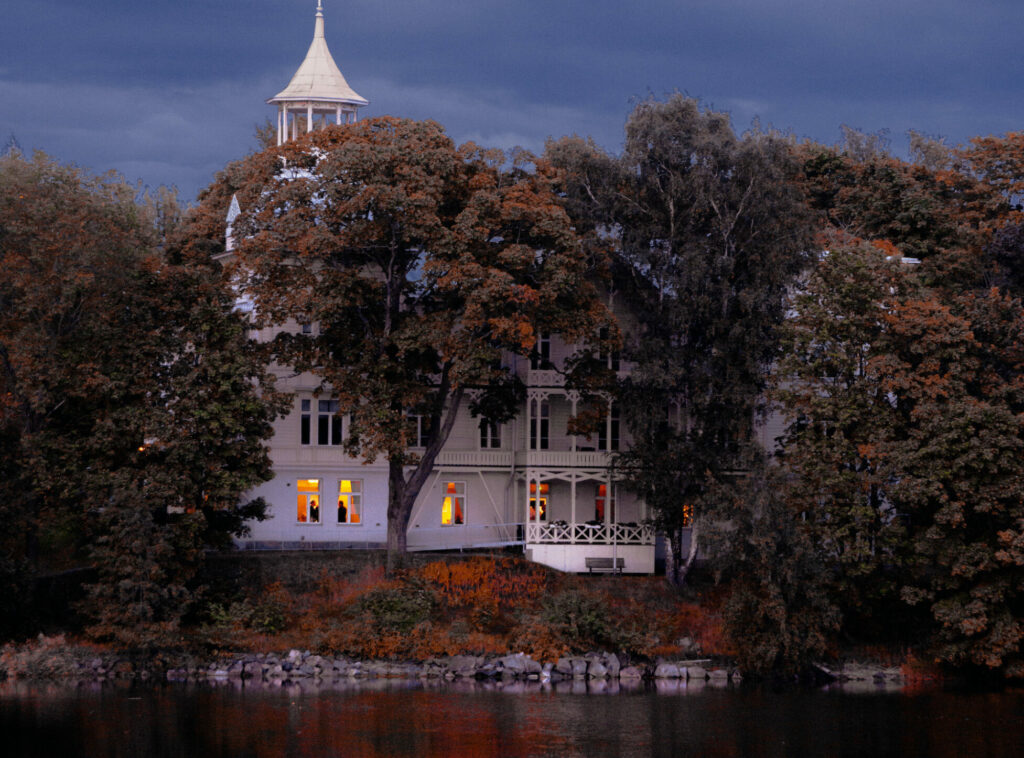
(319, 79)
(318, 29)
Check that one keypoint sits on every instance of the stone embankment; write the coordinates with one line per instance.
(52, 659)
(298, 665)
(54, 662)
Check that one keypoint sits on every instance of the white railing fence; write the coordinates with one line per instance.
(561, 532)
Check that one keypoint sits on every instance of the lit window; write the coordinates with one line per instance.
(453, 507)
(308, 511)
(600, 500)
(350, 501)
(490, 435)
(687, 515)
(540, 425)
(539, 504)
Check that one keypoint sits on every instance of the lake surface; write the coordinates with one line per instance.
(398, 719)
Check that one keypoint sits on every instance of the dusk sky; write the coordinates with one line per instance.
(169, 92)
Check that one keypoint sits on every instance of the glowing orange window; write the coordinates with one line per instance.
(453, 506)
(539, 504)
(308, 505)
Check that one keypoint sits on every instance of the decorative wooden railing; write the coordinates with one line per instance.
(561, 532)
(562, 458)
(483, 458)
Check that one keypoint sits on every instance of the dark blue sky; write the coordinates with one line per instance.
(169, 92)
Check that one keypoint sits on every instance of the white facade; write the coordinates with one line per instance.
(527, 482)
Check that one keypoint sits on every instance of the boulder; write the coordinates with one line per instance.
(631, 673)
(579, 668)
(666, 671)
(611, 662)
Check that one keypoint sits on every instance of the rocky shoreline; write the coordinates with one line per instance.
(49, 659)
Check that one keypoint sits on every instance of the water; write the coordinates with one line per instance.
(397, 719)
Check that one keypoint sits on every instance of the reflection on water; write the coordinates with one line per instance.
(412, 718)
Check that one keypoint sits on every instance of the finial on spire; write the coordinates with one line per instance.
(319, 7)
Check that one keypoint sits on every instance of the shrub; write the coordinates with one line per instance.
(581, 618)
(397, 606)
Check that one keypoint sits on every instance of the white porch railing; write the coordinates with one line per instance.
(544, 378)
(560, 532)
(562, 459)
(482, 458)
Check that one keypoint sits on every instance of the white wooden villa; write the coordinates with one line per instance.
(527, 482)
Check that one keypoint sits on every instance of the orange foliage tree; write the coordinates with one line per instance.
(423, 265)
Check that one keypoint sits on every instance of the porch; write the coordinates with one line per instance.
(577, 521)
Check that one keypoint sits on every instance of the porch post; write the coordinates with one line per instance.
(526, 513)
(608, 428)
(572, 500)
(572, 400)
(608, 498)
(528, 430)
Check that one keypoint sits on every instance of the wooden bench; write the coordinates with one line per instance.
(602, 563)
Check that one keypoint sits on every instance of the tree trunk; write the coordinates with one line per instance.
(398, 516)
(402, 492)
(677, 568)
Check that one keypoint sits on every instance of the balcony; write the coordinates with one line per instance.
(563, 459)
(544, 378)
(475, 458)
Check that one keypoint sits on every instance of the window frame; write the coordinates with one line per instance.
(490, 434)
(542, 417)
(540, 359)
(458, 509)
(302, 501)
(355, 503)
(539, 514)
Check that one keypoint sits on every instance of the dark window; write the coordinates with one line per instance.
(602, 433)
(304, 422)
(328, 423)
(490, 434)
(540, 425)
(541, 358)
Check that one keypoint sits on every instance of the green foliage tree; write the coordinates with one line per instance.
(123, 369)
(780, 612)
(903, 454)
(709, 228)
(839, 413)
(421, 263)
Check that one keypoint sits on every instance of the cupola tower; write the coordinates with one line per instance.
(318, 91)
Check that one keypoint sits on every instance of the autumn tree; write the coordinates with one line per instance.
(421, 264)
(708, 229)
(128, 386)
